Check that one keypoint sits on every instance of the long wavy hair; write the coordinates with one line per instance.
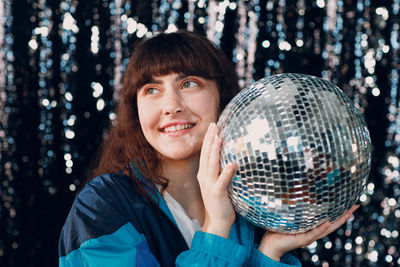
(181, 52)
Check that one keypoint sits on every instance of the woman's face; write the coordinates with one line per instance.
(175, 111)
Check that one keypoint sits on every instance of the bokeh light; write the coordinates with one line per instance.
(61, 67)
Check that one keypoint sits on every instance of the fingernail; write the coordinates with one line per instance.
(234, 165)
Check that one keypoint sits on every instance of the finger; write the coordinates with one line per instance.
(342, 219)
(213, 164)
(333, 226)
(315, 234)
(207, 138)
(226, 175)
(205, 149)
(354, 208)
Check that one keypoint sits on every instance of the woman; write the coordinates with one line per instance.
(158, 196)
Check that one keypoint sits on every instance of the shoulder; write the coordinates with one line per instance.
(107, 186)
(105, 182)
(103, 206)
(107, 194)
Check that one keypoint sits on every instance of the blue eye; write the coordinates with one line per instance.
(189, 84)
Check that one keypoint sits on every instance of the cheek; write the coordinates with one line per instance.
(146, 116)
(140, 113)
(208, 104)
(208, 107)
(213, 106)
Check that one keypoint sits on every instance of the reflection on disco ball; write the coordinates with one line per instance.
(303, 152)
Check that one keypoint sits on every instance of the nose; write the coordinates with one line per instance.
(172, 103)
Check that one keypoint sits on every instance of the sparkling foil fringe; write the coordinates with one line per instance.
(357, 42)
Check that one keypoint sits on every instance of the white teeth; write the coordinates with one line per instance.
(171, 129)
(174, 128)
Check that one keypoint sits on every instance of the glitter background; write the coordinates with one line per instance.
(61, 63)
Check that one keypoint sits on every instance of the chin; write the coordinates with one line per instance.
(180, 156)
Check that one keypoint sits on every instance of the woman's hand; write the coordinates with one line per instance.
(219, 212)
(274, 245)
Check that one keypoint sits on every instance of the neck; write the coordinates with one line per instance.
(183, 185)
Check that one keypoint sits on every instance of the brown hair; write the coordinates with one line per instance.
(182, 53)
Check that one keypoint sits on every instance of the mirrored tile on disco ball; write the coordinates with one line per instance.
(302, 148)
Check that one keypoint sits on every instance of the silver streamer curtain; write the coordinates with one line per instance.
(61, 65)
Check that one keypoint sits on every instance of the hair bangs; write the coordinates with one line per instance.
(166, 54)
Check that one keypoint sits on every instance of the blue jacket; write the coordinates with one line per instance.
(111, 224)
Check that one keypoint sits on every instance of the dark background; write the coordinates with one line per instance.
(61, 64)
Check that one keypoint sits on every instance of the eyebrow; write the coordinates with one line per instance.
(156, 81)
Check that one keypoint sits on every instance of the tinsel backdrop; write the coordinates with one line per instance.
(61, 65)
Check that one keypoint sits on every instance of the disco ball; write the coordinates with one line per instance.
(302, 148)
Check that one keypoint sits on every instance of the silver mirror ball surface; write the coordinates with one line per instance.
(302, 149)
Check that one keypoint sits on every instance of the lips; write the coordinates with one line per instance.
(176, 127)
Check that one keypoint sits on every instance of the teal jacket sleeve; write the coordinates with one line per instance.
(127, 248)
(123, 248)
(212, 250)
(258, 259)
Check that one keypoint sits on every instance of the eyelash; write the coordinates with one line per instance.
(187, 83)
(146, 91)
(190, 81)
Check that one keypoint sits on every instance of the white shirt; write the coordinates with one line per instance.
(186, 225)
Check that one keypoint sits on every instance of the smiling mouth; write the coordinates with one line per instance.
(176, 128)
